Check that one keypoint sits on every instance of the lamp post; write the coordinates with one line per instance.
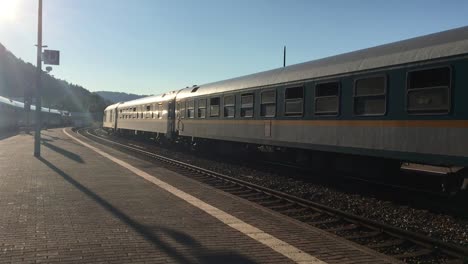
(37, 135)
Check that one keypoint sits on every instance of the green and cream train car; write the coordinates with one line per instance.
(404, 101)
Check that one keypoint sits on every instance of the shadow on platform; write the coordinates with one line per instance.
(49, 138)
(62, 151)
(8, 134)
(197, 253)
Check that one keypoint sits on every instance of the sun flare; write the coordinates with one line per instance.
(8, 9)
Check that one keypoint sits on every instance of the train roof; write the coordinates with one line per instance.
(112, 106)
(150, 99)
(17, 104)
(10, 102)
(434, 46)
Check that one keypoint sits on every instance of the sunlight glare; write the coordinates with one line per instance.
(8, 9)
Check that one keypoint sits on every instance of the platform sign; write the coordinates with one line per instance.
(51, 57)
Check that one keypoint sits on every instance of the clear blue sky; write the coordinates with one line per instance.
(151, 46)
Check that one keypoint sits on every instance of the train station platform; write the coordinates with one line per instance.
(83, 202)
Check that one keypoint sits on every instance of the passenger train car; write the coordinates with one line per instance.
(404, 101)
(13, 116)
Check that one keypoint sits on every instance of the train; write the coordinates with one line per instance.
(377, 108)
(13, 115)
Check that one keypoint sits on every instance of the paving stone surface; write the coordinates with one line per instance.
(75, 206)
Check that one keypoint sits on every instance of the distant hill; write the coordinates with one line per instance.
(118, 97)
(17, 77)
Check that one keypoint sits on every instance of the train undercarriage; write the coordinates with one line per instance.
(446, 179)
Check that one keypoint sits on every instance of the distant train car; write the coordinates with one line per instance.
(52, 117)
(8, 114)
(154, 114)
(13, 116)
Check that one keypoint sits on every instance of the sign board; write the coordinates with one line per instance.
(51, 57)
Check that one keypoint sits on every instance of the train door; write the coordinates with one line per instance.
(170, 118)
(116, 116)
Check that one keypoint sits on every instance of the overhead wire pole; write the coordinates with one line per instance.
(284, 56)
(37, 135)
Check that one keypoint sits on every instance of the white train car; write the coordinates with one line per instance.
(12, 115)
(154, 114)
(109, 121)
(9, 114)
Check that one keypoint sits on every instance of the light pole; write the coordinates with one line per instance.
(37, 135)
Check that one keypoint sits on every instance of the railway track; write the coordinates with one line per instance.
(409, 195)
(401, 244)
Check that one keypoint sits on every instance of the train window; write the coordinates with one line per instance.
(428, 91)
(247, 105)
(294, 101)
(181, 106)
(148, 111)
(229, 106)
(268, 103)
(178, 109)
(327, 98)
(214, 106)
(201, 108)
(370, 96)
(160, 110)
(191, 109)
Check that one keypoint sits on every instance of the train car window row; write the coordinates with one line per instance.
(294, 101)
(268, 103)
(229, 106)
(370, 96)
(327, 98)
(428, 91)
(247, 105)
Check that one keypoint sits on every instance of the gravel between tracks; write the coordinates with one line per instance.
(444, 227)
